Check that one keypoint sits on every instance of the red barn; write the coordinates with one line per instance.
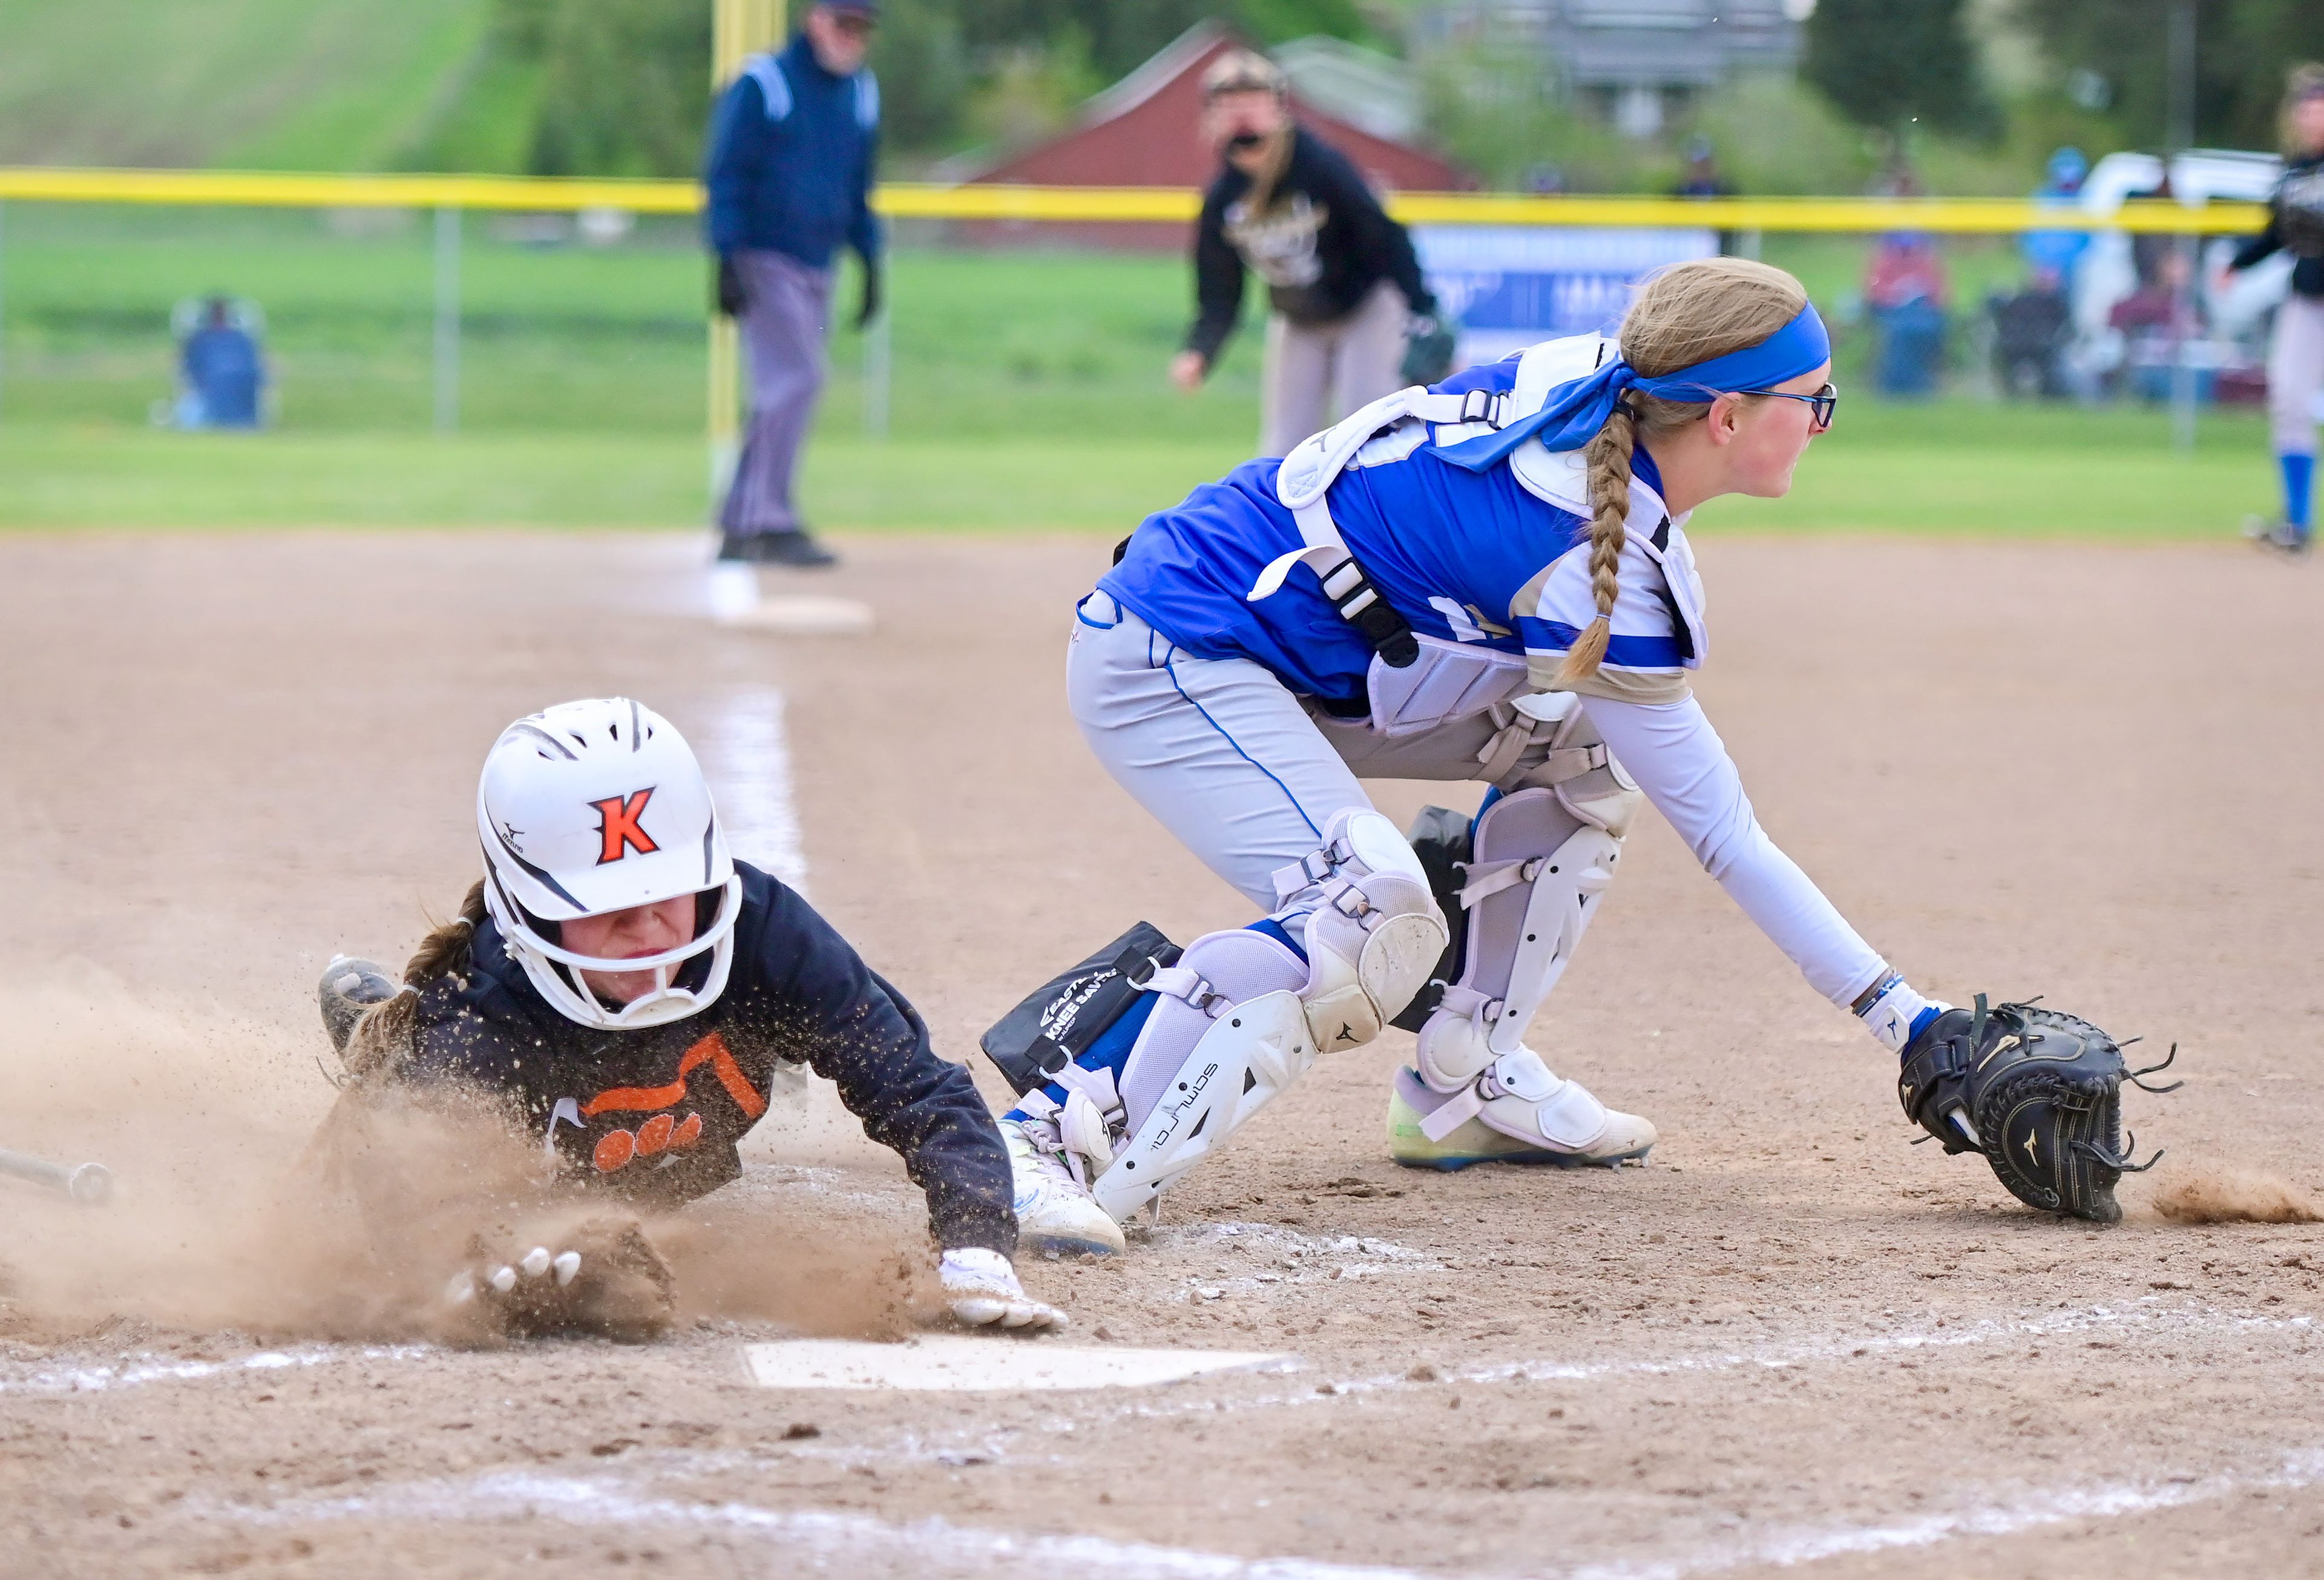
(1144, 132)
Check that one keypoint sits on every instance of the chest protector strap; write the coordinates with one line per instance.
(1307, 474)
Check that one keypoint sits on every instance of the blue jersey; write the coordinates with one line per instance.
(1496, 558)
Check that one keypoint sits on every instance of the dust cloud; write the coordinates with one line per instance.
(248, 1198)
(2201, 1194)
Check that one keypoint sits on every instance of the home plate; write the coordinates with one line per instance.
(958, 1362)
(801, 614)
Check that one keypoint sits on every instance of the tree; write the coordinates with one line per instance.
(2242, 49)
(626, 88)
(1886, 63)
(1122, 33)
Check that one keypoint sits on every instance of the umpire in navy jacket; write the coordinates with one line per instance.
(792, 145)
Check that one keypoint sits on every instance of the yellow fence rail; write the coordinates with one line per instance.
(919, 201)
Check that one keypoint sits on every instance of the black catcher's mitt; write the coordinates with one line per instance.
(2038, 1093)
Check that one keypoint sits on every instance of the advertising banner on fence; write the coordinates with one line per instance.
(1511, 285)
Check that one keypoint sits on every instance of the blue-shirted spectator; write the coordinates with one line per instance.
(221, 371)
(2057, 253)
(793, 144)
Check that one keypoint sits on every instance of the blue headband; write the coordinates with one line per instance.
(1574, 412)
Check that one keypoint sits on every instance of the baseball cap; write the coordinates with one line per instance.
(867, 9)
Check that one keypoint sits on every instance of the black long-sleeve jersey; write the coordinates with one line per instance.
(655, 1114)
(1321, 243)
(2295, 219)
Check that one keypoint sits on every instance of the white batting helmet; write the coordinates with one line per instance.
(598, 805)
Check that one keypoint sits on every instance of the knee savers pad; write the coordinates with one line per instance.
(1226, 1034)
(1563, 751)
(1532, 888)
(1374, 932)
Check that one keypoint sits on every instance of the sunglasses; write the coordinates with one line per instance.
(854, 23)
(1821, 404)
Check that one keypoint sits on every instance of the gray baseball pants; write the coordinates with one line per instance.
(784, 328)
(1237, 768)
(2295, 374)
(1317, 373)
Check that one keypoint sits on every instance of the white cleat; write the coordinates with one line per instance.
(1056, 1214)
(1623, 1138)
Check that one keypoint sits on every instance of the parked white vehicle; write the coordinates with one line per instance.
(2238, 316)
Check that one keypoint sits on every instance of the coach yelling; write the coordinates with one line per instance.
(792, 145)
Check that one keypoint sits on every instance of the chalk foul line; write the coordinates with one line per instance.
(938, 1547)
(137, 1371)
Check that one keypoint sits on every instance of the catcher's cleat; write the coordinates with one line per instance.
(1056, 1213)
(350, 987)
(2037, 1093)
(1625, 1139)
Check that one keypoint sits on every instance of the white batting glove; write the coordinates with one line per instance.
(489, 1283)
(982, 1291)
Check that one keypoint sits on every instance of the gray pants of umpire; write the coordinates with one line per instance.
(785, 325)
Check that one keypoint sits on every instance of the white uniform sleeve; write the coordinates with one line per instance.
(1682, 764)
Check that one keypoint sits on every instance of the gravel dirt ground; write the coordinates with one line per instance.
(1793, 1340)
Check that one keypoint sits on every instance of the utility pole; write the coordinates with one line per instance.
(2180, 138)
(738, 30)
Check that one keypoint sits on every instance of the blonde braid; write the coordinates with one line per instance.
(1688, 313)
(1608, 457)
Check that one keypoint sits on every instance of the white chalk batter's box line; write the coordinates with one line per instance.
(1062, 1415)
(937, 1547)
(130, 1372)
(137, 1371)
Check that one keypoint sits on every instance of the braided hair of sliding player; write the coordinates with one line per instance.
(384, 1037)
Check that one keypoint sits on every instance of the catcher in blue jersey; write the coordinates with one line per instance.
(1487, 580)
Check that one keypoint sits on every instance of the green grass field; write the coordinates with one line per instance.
(1027, 392)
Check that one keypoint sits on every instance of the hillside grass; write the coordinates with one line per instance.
(262, 84)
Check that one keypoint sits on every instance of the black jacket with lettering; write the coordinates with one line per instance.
(654, 1114)
(1322, 243)
(2295, 219)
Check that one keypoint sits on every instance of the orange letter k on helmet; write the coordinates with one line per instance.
(617, 820)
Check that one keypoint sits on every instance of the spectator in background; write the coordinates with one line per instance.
(221, 371)
(2157, 319)
(2058, 251)
(1701, 178)
(792, 146)
(1906, 293)
(1341, 274)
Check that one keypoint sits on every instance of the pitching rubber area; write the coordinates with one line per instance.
(1792, 1342)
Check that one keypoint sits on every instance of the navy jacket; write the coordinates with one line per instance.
(654, 1114)
(792, 149)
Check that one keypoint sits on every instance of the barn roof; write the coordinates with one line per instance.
(1141, 132)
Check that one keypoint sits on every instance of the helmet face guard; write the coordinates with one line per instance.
(594, 806)
(554, 970)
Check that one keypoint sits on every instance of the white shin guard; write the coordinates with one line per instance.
(1533, 886)
(1242, 1016)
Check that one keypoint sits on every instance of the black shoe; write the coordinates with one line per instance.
(794, 549)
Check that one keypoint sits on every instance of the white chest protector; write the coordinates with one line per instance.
(1456, 679)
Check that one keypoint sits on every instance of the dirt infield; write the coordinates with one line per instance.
(1793, 1339)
